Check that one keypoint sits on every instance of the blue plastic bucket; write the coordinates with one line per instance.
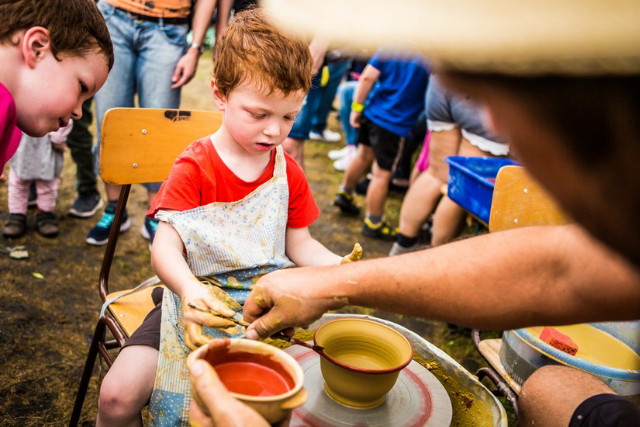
(470, 185)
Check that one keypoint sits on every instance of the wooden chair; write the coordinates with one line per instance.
(518, 201)
(137, 145)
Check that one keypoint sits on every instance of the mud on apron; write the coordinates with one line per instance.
(229, 246)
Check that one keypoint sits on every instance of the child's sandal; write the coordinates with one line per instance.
(47, 224)
(15, 226)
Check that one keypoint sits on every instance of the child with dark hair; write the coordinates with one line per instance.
(61, 44)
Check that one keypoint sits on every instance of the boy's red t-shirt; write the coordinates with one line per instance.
(199, 177)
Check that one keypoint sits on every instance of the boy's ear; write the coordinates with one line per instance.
(218, 98)
(35, 44)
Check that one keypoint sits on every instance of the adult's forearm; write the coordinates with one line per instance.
(201, 19)
(529, 276)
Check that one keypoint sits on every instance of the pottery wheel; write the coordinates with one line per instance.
(417, 399)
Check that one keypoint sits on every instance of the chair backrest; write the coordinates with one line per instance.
(140, 144)
(519, 201)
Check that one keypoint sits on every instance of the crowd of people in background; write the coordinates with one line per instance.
(399, 122)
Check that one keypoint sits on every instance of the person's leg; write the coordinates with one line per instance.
(294, 143)
(46, 220)
(448, 221)
(127, 387)
(337, 71)
(551, 395)
(344, 198)
(377, 191)
(162, 47)
(80, 143)
(419, 202)
(345, 96)
(118, 91)
(18, 195)
(358, 167)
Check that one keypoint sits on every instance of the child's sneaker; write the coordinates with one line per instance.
(326, 136)
(345, 202)
(47, 224)
(380, 231)
(149, 229)
(15, 226)
(99, 235)
(86, 205)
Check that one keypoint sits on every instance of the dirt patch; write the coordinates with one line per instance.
(49, 302)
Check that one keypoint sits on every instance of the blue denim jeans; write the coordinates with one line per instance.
(345, 95)
(337, 71)
(146, 54)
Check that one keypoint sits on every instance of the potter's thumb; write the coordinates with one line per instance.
(260, 329)
(206, 383)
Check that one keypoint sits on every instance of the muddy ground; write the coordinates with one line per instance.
(49, 302)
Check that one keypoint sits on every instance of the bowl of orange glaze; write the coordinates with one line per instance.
(261, 376)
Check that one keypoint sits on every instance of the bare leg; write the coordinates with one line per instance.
(377, 191)
(295, 148)
(127, 387)
(358, 166)
(448, 220)
(551, 395)
(419, 202)
(113, 191)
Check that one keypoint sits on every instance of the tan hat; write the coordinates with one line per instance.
(531, 37)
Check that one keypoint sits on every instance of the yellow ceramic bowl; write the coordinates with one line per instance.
(361, 360)
(243, 353)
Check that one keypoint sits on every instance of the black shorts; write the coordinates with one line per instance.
(387, 146)
(606, 410)
(149, 332)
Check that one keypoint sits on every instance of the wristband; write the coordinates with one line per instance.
(357, 107)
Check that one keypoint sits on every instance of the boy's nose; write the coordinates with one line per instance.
(273, 129)
(77, 112)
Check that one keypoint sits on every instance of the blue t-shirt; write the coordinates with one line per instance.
(400, 93)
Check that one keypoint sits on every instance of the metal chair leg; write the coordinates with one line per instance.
(86, 373)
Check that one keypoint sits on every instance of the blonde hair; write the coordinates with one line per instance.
(252, 50)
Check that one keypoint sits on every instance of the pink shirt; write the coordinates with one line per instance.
(9, 133)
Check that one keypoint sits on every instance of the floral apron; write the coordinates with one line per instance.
(229, 246)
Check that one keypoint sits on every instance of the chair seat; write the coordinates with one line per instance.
(490, 350)
(131, 310)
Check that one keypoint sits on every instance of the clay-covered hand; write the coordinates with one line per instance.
(355, 255)
(200, 297)
(215, 406)
(285, 299)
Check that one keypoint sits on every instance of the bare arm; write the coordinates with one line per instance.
(304, 250)
(318, 49)
(171, 267)
(368, 79)
(224, 11)
(528, 276)
(186, 66)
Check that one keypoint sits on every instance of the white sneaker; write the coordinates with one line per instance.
(338, 154)
(326, 135)
(343, 163)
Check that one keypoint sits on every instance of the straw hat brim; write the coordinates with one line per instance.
(580, 37)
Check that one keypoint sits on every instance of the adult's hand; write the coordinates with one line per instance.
(185, 68)
(287, 298)
(216, 406)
